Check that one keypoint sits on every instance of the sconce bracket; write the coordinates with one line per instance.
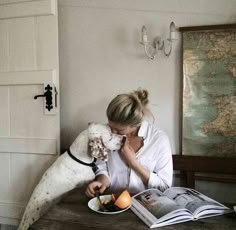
(165, 45)
(158, 43)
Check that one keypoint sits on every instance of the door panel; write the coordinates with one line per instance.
(4, 176)
(25, 174)
(3, 46)
(22, 44)
(46, 48)
(28, 145)
(23, 104)
(29, 133)
(23, 8)
(4, 121)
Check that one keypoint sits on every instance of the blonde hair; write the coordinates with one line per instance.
(129, 109)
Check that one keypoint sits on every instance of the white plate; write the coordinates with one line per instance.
(94, 205)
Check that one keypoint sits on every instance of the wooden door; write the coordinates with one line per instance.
(29, 128)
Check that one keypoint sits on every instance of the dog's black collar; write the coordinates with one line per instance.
(92, 164)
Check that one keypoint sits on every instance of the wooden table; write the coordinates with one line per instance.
(72, 213)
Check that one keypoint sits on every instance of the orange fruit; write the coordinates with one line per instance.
(123, 200)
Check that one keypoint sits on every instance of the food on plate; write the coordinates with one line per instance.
(116, 203)
(123, 200)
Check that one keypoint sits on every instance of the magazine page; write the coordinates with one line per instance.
(158, 208)
(158, 223)
(195, 202)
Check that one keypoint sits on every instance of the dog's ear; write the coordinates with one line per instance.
(91, 123)
(97, 149)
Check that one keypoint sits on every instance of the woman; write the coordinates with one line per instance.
(145, 160)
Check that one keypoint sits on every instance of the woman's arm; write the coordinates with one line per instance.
(161, 176)
(129, 157)
(100, 183)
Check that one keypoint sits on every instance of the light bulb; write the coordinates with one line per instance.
(144, 34)
(172, 31)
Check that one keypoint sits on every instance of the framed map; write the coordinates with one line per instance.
(209, 91)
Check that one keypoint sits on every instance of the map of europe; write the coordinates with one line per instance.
(209, 93)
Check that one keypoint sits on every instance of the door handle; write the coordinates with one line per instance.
(48, 95)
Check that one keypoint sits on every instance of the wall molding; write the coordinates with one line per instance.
(28, 9)
(202, 7)
(28, 145)
(14, 211)
(27, 77)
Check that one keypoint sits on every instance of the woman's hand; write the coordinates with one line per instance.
(128, 153)
(101, 183)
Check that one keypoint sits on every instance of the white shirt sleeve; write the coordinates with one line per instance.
(102, 168)
(162, 175)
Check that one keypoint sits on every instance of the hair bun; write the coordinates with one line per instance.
(142, 95)
(129, 108)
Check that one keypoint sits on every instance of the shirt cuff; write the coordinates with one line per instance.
(156, 182)
(101, 172)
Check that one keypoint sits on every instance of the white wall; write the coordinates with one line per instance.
(100, 56)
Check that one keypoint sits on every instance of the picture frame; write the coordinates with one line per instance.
(215, 161)
(209, 90)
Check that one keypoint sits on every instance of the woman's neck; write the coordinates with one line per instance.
(134, 132)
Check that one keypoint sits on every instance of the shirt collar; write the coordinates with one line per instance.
(143, 131)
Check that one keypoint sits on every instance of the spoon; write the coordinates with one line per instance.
(102, 206)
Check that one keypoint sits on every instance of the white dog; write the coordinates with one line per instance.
(73, 168)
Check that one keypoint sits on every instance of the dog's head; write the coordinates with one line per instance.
(102, 140)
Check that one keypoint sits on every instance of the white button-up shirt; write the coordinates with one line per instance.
(155, 155)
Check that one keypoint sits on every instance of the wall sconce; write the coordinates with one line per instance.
(151, 48)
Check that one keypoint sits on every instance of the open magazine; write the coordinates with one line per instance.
(173, 206)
